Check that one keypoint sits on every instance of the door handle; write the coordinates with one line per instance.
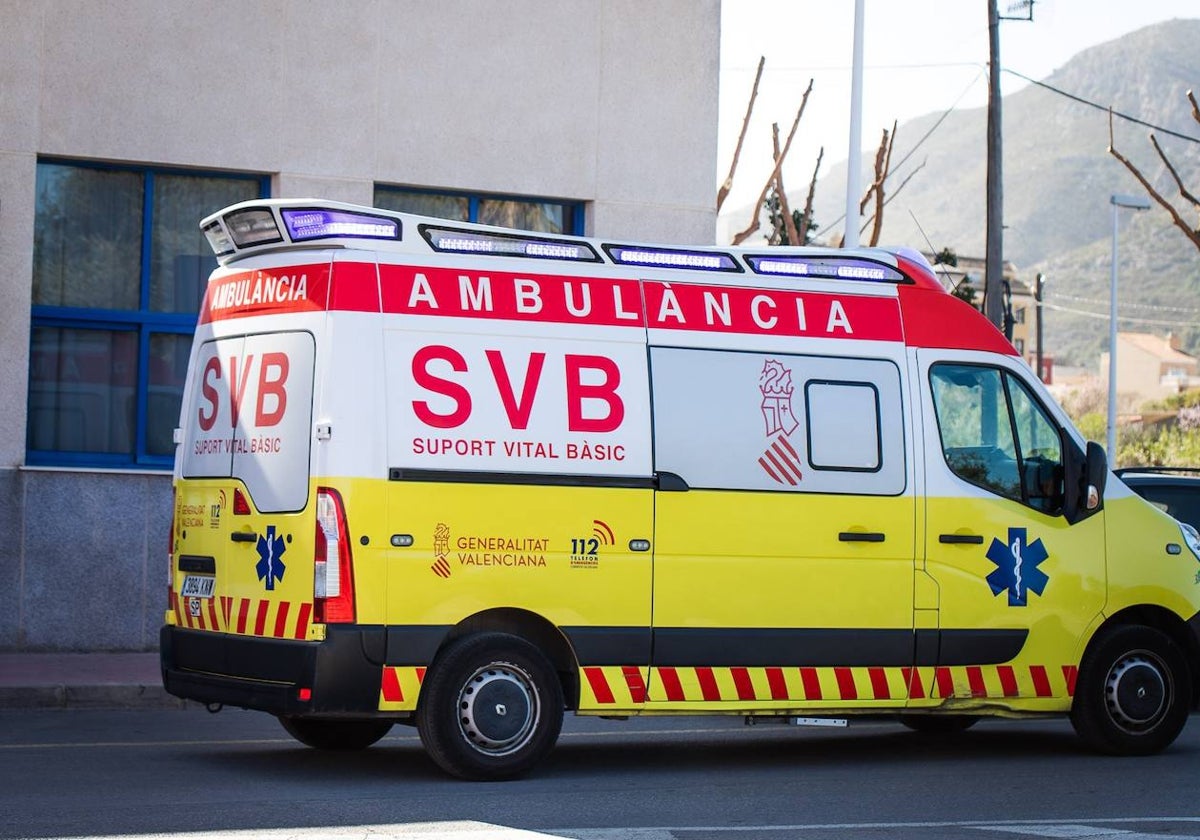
(243, 536)
(860, 536)
(960, 539)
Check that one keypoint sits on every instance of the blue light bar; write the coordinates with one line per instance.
(253, 226)
(457, 240)
(836, 268)
(304, 224)
(672, 258)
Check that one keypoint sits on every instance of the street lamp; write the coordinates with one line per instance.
(1130, 202)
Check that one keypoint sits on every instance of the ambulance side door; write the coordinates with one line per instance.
(784, 530)
(1017, 583)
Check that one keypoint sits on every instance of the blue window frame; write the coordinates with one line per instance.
(512, 211)
(119, 270)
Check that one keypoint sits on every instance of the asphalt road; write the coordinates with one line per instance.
(105, 773)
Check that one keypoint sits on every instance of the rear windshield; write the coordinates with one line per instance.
(250, 414)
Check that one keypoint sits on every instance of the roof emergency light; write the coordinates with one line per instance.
(218, 239)
(456, 240)
(835, 268)
(672, 258)
(305, 223)
(253, 226)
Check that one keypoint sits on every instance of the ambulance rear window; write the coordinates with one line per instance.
(249, 414)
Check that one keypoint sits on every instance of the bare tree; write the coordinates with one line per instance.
(754, 223)
(883, 161)
(723, 192)
(1192, 233)
(785, 212)
(806, 218)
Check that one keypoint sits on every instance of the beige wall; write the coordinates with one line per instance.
(609, 102)
(612, 102)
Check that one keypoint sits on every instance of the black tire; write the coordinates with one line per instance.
(1132, 694)
(938, 724)
(335, 734)
(490, 708)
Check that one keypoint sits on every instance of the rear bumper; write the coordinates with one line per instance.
(343, 673)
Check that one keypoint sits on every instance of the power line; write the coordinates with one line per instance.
(1151, 306)
(1098, 106)
(1103, 316)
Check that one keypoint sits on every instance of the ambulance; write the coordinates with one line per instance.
(468, 479)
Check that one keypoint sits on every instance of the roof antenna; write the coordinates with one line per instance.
(949, 281)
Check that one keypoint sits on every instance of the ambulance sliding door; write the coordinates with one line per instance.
(784, 571)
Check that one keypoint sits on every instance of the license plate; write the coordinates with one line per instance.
(198, 586)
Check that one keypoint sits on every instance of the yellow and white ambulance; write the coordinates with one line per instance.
(468, 478)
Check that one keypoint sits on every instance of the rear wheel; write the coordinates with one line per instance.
(1132, 694)
(936, 724)
(491, 707)
(335, 734)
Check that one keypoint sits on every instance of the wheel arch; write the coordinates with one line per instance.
(1168, 623)
(533, 628)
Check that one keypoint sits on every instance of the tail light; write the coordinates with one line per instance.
(333, 571)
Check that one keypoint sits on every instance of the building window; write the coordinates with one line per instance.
(521, 212)
(1019, 315)
(119, 269)
(1019, 344)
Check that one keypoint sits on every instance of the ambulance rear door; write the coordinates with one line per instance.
(244, 525)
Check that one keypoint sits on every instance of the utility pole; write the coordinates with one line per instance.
(1037, 296)
(993, 273)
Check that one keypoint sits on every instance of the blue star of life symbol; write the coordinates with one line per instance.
(1017, 567)
(270, 548)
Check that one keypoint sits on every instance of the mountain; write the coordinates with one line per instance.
(1058, 177)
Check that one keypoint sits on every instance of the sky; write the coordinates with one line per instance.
(920, 56)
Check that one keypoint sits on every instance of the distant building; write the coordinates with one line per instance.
(1151, 367)
(969, 273)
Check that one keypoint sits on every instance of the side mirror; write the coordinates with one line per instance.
(1097, 477)
(1084, 478)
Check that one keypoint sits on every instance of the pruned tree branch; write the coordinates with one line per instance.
(895, 192)
(741, 237)
(806, 217)
(883, 159)
(723, 192)
(1192, 234)
(789, 224)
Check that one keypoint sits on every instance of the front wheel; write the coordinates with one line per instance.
(1132, 694)
(335, 734)
(491, 707)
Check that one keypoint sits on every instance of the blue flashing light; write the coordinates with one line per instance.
(457, 240)
(304, 224)
(672, 258)
(836, 268)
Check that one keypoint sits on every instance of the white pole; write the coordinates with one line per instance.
(1132, 202)
(854, 159)
(1111, 440)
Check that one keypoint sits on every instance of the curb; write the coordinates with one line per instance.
(43, 697)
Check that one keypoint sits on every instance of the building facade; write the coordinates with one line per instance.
(122, 124)
(1150, 367)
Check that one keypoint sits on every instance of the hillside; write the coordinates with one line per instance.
(1058, 178)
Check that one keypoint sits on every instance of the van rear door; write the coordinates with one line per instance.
(244, 527)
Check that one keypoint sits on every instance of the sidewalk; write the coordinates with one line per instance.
(83, 681)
